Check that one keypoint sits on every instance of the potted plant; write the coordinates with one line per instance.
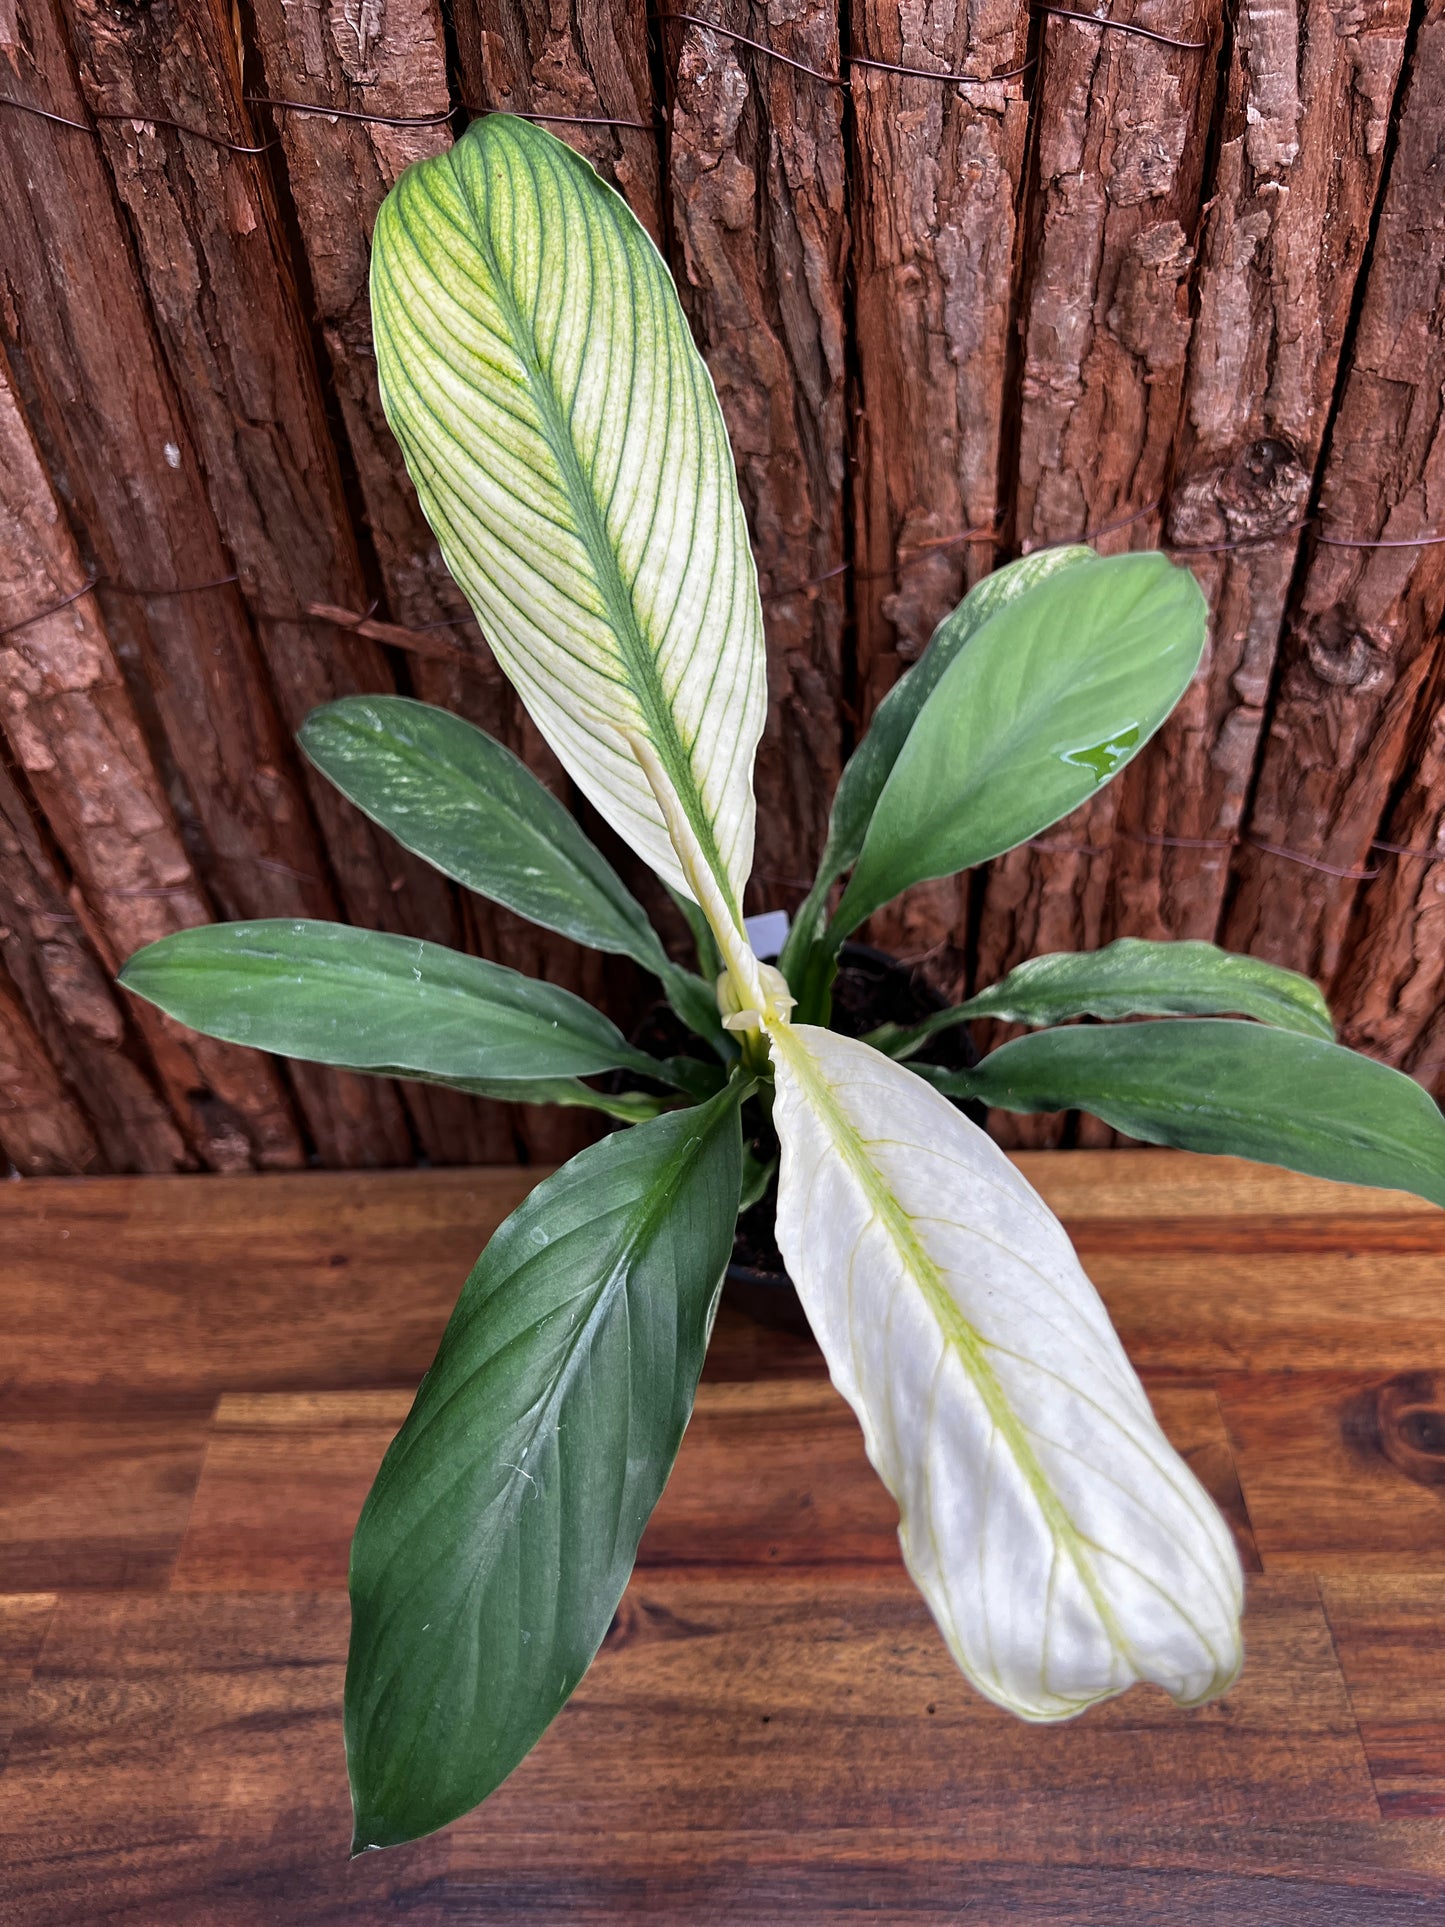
(567, 446)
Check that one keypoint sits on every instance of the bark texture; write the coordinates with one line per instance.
(220, 281)
(73, 731)
(584, 60)
(43, 1131)
(757, 183)
(119, 446)
(338, 173)
(936, 182)
(1122, 134)
(1303, 140)
(1392, 988)
(1361, 642)
(69, 1001)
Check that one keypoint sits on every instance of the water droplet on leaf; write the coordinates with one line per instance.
(1104, 758)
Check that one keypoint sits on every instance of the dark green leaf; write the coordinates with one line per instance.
(1238, 1089)
(503, 1524)
(1133, 978)
(1052, 697)
(456, 797)
(628, 1107)
(871, 764)
(368, 1001)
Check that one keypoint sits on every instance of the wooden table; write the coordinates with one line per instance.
(201, 1374)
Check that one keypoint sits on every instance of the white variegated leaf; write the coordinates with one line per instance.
(1065, 1549)
(568, 450)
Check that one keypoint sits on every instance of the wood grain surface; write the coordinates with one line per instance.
(201, 1377)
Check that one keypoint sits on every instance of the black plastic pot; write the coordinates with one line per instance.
(872, 988)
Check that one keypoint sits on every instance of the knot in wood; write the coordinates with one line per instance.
(1403, 1422)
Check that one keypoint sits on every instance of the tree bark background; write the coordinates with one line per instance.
(1059, 279)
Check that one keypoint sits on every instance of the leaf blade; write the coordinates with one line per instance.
(569, 452)
(871, 763)
(1232, 1089)
(1134, 977)
(600, 1327)
(1054, 695)
(457, 798)
(1063, 1547)
(366, 1000)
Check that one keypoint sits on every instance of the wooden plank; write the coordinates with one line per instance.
(118, 1290)
(1359, 645)
(73, 731)
(1123, 129)
(771, 1477)
(180, 1761)
(937, 176)
(329, 1282)
(220, 284)
(1386, 1629)
(760, 239)
(797, 1707)
(24, 1618)
(96, 1505)
(72, 1004)
(1342, 1472)
(1349, 1874)
(809, 1702)
(1302, 142)
(119, 446)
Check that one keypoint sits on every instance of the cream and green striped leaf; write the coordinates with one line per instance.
(1063, 1546)
(569, 452)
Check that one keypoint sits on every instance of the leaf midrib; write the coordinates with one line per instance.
(957, 1332)
(638, 660)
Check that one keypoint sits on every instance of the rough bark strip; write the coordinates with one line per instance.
(1392, 986)
(1306, 119)
(120, 450)
(72, 729)
(1360, 644)
(756, 176)
(43, 1132)
(935, 188)
(338, 173)
(209, 240)
(575, 58)
(1123, 128)
(71, 1003)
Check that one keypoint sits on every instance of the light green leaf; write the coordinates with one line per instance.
(366, 1000)
(453, 795)
(569, 452)
(871, 764)
(1053, 696)
(503, 1524)
(1133, 978)
(1238, 1089)
(1064, 1548)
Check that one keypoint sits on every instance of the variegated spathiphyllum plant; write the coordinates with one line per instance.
(567, 447)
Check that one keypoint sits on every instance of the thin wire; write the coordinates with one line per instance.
(1408, 542)
(849, 60)
(1120, 26)
(54, 609)
(348, 113)
(1309, 862)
